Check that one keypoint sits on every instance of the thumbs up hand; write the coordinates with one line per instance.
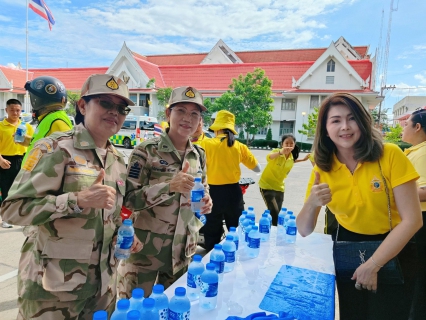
(320, 192)
(182, 182)
(98, 195)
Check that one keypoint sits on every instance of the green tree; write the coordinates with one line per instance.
(207, 115)
(394, 134)
(151, 83)
(163, 96)
(383, 118)
(72, 98)
(310, 127)
(249, 99)
(269, 135)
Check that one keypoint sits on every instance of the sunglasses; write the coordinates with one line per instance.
(110, 105)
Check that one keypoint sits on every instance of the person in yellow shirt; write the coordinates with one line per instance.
(415, 134)
(11, 152)
(371, 189)
(223, 157)
(198, 136)
(279, 164)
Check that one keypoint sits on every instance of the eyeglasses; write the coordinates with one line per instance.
(181, 112)
(110, 105)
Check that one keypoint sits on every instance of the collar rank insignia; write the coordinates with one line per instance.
(112, 84)
(84, 143)
(189, 93)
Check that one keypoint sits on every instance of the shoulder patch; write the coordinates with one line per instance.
(134, 170)
(46, 145)
(33, 159)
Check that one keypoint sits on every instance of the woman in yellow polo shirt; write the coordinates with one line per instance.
(415, 134)
(223, 157)
(271, 183)
(356, 175)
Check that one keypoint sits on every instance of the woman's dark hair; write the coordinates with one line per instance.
(79, 118)
(231, 137)
(295, 152)
(419, 116)
(369, 147)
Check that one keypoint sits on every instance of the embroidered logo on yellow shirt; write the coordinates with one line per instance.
(376, 185)
(33, 159)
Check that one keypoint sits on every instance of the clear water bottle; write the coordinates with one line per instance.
(280, 223)
(233, 233)
(229, 250)
(269, 217)
(136, 299)
(217, 257)
(180, 306)
(243, 237)
(100, 315)
(253, 245)
(291, 232)
(20, 132)
(133, 315)
(209, 287)
(286, 218)
(264, 227)
(249, 228)
(120, 312)
(241, 219)
(197, 193)
(149, 310)
(161, 301)
(124, 240)
(193, 281)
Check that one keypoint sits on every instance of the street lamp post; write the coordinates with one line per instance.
(303, 122)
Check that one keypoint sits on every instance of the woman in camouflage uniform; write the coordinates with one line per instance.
(70, 191)
(160, 177)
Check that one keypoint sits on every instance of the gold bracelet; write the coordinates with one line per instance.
(376, 263)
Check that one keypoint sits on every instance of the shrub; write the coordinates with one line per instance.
(272, 144)
(269, 135)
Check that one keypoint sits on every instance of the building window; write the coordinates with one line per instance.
(21, 98)
(331, 65)
(286, 127)
(143, 100)
(262, 131)
(329, 80)
(134, 98)
(288, 104)
(315, 102)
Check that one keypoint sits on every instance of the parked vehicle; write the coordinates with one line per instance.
(134, 130)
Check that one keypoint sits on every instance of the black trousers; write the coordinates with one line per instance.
(8, 175)
(273, 201)
(391, 301)
(227, 204)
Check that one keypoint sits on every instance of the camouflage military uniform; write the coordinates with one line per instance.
(164, 221)
(67, 260)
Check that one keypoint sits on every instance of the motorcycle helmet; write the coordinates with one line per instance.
(46, 92)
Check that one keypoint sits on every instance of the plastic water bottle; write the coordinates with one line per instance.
(180, 307)
(251, 215)
(270, 218)
(133, 315)
(124, 240)
(233, 233)
(100, 315)
(286, 218)
(217, 257)
(249, 228)
(161, 301)
(229, 250)
(20, 132)
(243, 237)
(201, 217)
(291, 232)
(149, 310)
(280, 223)
(193, 282)
(241, 219)
(120, 312)
(137, 299)
(264, 227)
(197, 193)
(209, 287)
(253, 245)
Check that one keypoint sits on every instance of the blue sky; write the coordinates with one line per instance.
(91, 33)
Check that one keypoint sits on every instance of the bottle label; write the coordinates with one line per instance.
(254, 243)
(291, 231)
(220, 265)
(179, 315)
(193, 280)
(164, 314)
(124, 242)
(229, 256)
(209, 290)
(236, 243)
(246, 237)
(280, 221)
(264, 228)
(197, 195)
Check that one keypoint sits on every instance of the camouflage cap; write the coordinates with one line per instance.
(106, 84)
(187, 94)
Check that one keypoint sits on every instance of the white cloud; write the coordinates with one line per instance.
(403, 89)
(408, 66)
(11, 65)
(4, 18)
(421, 78)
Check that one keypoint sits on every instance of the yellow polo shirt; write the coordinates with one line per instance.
(417, 155)
(359, 201)
(200, 139)
(276, 171)
(223, 162)
(8, 147)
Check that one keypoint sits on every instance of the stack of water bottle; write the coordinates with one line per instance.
(286, 226)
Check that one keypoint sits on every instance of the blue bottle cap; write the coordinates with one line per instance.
(148, 303)
(158, 288)
(127, 222)
(265, 215)
(229, 237)
(283, 209)
(290, 212)
(218, 246)
(180, 291)
(210, 266)
(244, 212)
(232, 229)
(197, 179)
(252, 222)
(292, 217)
(267, 211)
(250, 208)
(197, 258)
(123, 304)
(133, 315)
(255, 228)
(100, 315)
(137, 293)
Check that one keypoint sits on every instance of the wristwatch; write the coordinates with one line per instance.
(77, 209)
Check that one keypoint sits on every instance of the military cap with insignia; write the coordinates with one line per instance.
(186, 94)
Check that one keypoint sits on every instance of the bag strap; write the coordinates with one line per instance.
(388, 199)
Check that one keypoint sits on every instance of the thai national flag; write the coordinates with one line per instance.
(40, 7)
(157, 129)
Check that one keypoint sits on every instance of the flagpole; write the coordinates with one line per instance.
(27, 109)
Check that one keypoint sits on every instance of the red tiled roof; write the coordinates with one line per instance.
(17, 76)
(176, 59)
(363, 68)
(151, 70)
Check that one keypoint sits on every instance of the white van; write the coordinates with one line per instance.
(135, 129)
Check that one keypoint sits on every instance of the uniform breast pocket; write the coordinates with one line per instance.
(65, 264)
(78, 178)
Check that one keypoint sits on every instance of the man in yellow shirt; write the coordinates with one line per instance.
(11, 153)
